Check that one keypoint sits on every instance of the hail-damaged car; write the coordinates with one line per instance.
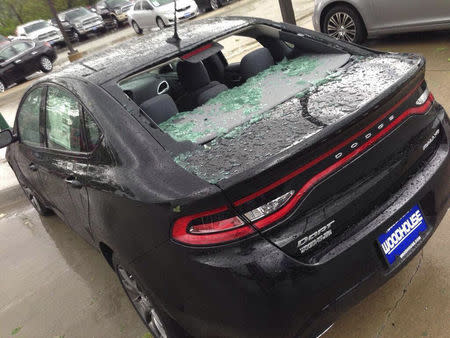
(235, 195)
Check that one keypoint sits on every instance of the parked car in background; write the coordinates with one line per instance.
(40, 30)
(146, 14)
(356, 20)
(85, 21)
(117, 9)
(206, 5)
(21, 58)
(68, 28)
(260, 198)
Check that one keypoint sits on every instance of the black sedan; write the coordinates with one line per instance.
(252, 199)
(21, 58)
(206, 5)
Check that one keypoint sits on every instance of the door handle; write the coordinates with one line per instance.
(33, 167)
(73, 182)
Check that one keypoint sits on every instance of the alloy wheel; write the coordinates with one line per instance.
(141, 303)
(342, 26)
(46, 64)
(214, 4)
(2, 87)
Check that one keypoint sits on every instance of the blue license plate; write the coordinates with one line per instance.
(403, 236)
(187, 15)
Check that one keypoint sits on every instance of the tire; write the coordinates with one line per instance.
(45, 64)
(154, 318)
(36, 203)
(160, 23)
(116, 23)
(76, 37)
(2, 87)
(136, 27)
(344, 23)
(214, 4)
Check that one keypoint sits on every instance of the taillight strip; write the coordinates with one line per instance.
(325, 155)
(318, 177)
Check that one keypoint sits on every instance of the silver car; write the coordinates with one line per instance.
(147, 14)
(355, 20)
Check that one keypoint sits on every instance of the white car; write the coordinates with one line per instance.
(40, 30)
(146, 14)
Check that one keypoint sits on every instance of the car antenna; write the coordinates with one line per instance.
(175, 39)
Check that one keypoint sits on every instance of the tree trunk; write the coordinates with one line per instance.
(13, 9)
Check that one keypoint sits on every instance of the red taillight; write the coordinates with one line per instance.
(232, 228)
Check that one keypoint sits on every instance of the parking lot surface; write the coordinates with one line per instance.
(53, 284)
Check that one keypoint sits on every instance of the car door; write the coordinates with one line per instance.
(27, 59)
(137, 13)
(148, 15)
(28, 151)
(10, 72)
(63, 166)
(409, 13)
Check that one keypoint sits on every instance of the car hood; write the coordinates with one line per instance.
(84, 17)
(35, 34)
(122, 4)
(168, 8)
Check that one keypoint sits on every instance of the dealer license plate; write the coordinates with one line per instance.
(403, 236)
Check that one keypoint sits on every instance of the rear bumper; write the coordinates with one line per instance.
(254, 289)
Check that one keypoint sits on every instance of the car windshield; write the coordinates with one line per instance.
(76, 13)
(114, 3)
(36, 26)
(157, 3)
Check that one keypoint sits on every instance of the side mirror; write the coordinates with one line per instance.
(6, 138)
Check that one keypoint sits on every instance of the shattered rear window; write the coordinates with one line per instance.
(265, 133)
(248, 102)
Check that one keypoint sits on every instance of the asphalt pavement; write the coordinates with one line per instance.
(53, 284)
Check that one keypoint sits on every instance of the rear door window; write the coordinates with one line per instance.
(92, 132)
(63, 119)
(7, 53)
(22, 46)
(28, 118)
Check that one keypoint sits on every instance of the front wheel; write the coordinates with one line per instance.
(344, 23)
(214, 4)
(2, 86)
(136, 27)
(45, 64)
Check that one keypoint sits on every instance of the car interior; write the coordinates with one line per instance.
(186, 83)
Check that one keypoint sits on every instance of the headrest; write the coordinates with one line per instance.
(255, 62)
(160, 108)
(192, 75)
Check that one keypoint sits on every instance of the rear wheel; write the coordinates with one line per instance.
(160, 23)
(45, 64)
(214, 4)
(344, 23)
(2, 86)
(136, 27)
(157, 321)
(37, 204)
